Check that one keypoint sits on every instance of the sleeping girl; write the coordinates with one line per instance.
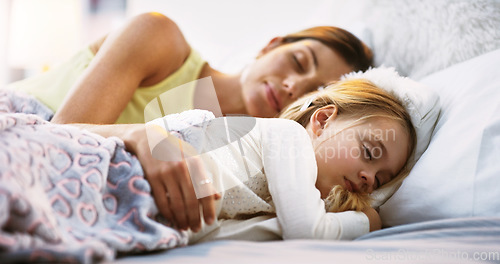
(68, 192)
(343, 142)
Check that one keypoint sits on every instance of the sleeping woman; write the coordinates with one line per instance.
(113, 79)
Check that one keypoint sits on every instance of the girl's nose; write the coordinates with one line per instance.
(367, 180)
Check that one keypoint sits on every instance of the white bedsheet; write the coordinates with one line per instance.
(461, 240)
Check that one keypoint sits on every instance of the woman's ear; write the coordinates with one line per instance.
(275, 42)
(320, 118)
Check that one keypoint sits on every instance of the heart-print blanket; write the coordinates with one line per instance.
(68, 195)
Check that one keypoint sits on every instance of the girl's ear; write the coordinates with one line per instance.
(320, 118)
(275, 42)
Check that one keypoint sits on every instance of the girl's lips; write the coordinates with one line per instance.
(348, 185)
(272, 99)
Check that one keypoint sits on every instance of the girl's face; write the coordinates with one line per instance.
(284, 72)
(358, 156)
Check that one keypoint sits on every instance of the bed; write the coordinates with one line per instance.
(447, 210)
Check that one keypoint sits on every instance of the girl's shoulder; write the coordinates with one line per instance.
(282, 130)
(280, 123)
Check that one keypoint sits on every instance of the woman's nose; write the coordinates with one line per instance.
(294, 87)
(289, 86)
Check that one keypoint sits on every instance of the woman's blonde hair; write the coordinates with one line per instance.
(359, 99)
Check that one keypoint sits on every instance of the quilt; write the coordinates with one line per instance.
(68, 195)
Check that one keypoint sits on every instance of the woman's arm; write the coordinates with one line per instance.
(182, 206)
(145, 51)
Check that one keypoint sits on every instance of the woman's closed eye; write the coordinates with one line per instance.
(297, 63)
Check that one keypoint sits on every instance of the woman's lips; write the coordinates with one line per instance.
(272, 98)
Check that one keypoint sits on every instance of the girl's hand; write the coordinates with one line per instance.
(374, 218)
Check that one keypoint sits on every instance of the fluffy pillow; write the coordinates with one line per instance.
(459, 174)
(421, 102)
(421, 37)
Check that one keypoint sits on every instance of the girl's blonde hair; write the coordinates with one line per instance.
(359, 99)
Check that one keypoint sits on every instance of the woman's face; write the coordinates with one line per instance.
(362, 157)
(282, 73)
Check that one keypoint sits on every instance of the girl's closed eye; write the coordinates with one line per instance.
(377, 183)
(367, 152)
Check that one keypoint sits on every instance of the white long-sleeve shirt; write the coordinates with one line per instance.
(264, 167)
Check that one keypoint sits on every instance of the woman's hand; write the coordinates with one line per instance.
(175, 196)
(170, 181)
(374, 218)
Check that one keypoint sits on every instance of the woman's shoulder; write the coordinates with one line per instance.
(158, 43)
(156, 22)
(153, 32)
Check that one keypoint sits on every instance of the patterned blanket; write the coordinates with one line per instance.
(67, 195)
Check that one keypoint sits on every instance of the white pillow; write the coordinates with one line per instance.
(459, 174)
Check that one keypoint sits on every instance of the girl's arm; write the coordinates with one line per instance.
(182, 208)
(290, 166)
(374, 218)
(145, 51)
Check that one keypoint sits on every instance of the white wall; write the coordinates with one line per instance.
(227, 32)
(37, 34)
(4, 26)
